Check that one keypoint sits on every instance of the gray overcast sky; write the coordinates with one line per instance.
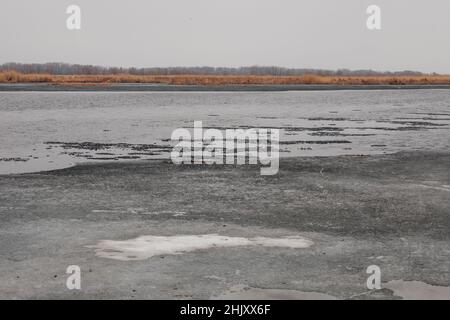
(327, 34)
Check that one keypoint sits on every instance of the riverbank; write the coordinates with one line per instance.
(138, 87)
(354, 211)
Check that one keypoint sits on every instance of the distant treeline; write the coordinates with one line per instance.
(77, 69)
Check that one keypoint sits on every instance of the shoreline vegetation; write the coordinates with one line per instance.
(65, 74)
(14, 77)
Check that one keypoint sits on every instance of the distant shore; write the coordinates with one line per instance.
(17, 81)
(139, 87)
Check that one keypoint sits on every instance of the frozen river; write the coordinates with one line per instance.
(51, 130)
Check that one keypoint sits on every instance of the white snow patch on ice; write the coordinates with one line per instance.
(145, 247)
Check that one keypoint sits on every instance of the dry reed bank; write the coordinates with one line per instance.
(16, 77)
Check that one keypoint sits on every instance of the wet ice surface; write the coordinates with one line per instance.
(416, 290)
(407, 290)
(241, 292)
(145, 247)
(52, 130)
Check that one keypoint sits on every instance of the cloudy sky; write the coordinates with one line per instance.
(327, 34)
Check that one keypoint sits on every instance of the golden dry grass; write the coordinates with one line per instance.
(16, 77)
